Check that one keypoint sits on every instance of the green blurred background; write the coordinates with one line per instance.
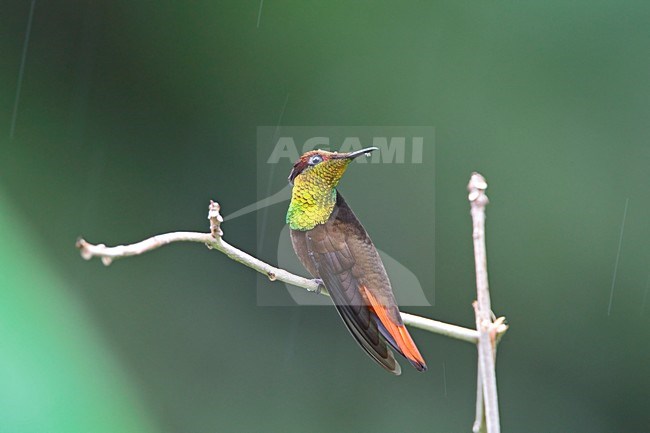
(132, 115)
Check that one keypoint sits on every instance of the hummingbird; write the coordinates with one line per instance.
(335, 248)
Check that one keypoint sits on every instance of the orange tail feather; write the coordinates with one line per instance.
(398, 332)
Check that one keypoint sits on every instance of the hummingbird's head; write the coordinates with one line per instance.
(325, 167)
(314, 178)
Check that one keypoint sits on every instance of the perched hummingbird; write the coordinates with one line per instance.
(335, 248)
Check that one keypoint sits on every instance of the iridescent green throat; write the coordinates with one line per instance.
(312, 203)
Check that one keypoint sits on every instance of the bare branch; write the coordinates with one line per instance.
(213, 240)
(479, 420)
(108, 254)
(483, 312)
(446, 329)
(487, 333)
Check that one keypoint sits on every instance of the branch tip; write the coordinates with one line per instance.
(476, 187)
(81, 245)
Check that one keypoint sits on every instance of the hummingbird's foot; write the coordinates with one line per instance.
(320, 287)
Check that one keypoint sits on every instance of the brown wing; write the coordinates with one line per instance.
(356, 317)
(343, 256)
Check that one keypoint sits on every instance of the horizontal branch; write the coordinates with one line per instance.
(213, 240)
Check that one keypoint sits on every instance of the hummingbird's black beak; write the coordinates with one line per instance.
(352, 155)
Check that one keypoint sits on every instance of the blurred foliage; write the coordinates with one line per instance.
(57, 371)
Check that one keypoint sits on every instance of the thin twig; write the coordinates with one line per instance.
(479, 420)
(483, 311)
(446, 329)
(213, 240)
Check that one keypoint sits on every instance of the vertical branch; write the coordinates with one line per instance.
(483, 311)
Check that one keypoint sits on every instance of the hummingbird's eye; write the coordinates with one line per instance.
(315, 159)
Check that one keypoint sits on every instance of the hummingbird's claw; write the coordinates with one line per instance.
(320, 287)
